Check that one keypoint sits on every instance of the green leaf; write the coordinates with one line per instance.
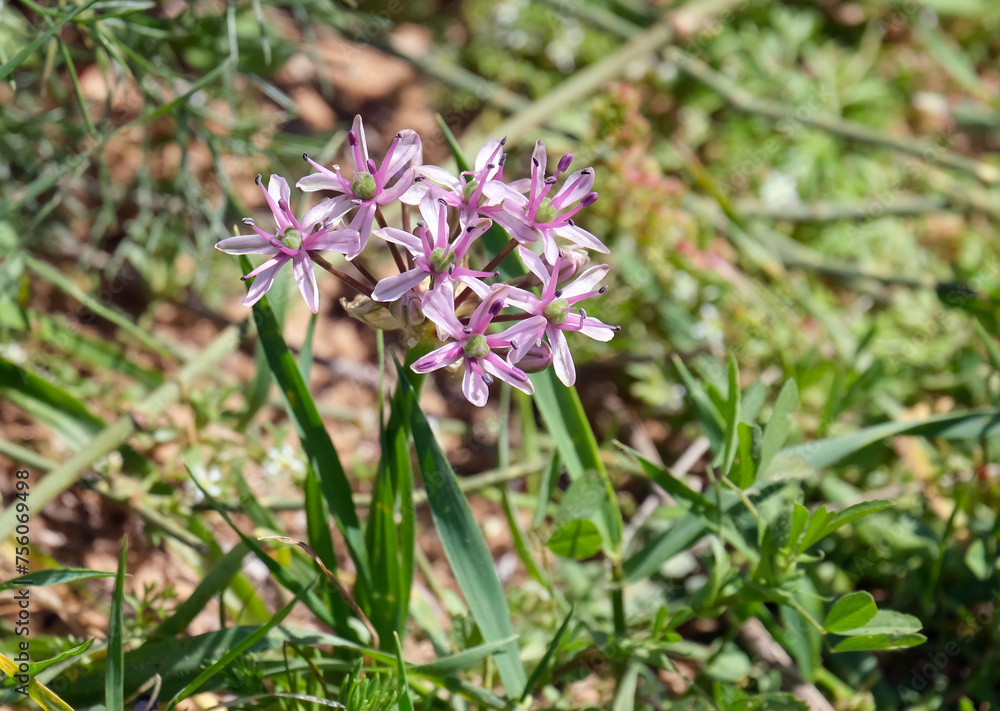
(566, 421)
(887, 622)
(850, 612)
(978, 560)
(749, 452)
(853, 513)
(968, 424)
(778, 425)
(732, 417)
(671, 484)
(461, 661)
(306, 352)
(114, 673)
(800, 515)
(34, 669)
(879, 643)
(708, 416)
(814, 531)
(54, 577)
(577, 539)
(464, 545)
(315, 440)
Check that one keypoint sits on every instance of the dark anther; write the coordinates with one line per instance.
(248, 221)
(602, 289)
(259, 179)
(558, 293)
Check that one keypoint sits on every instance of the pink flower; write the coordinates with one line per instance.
(556, 307)
(525, 218)
(370, 185)
(433, 255)
(473, 193)
(291, 243)
(474, 347)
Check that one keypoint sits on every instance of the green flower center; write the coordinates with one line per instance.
(440, 259)
(291, 238)
(364, 185)
(546, 213)
(470, 187)
(476, 346)
(555, 312)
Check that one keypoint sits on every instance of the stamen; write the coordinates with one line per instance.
(588, 199)
(550, 180)
(283, 204)
(564, 162)
(305, 157)
(352, 138)
(602, 289)
(466, 330)
(496, 307)
(259, 179)
(534, 162)
(503, 141)
(490, 166)
(372, 168)
(248, 221)
(558, 293)
(487, 378)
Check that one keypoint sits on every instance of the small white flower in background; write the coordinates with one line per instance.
(283, 460)
(208, 478)
(779, 190)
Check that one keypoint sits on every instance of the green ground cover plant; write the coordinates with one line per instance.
(767, 480)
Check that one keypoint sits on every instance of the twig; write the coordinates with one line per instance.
(759, 640)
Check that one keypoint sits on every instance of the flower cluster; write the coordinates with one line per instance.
(435, 282)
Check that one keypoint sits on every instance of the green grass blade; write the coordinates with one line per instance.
(778, 426)
(566, 421)
(221, 574)
(235, 652)
(114, 672)
(732, 417)
(315, 439)
(536, 673)
(464, 545)
(403, 683)
(14, 62)
(56, 278)
(54, 577)
(969, 424)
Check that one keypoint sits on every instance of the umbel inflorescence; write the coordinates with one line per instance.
(435, 282)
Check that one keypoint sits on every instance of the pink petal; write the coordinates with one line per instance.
(439, 306)
(487, 154)
(392, 234)
(522, 186)
(495, 366)
(498, 192)
(562, 359)
(359, 128)
(319, 181)
(474, 386)
(407, 147)
(392, 288)
(534, 264)
(278, 188)
(362, 222)
(305, 277)
(415, 193)
(523, 336)
(515, 226)
(582, 237)
(596, 329)
(522, 299)
(538, 160)
(470, 234)
(575, 188)
(339, 241)
(246, 244)
(481, 317)
(440, 176)
(443, 356)
(397, 189)
(263, 281)
(585, 283)
(327, 211)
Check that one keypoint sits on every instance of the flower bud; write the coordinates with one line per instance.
(573, 260)
(537, 359)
